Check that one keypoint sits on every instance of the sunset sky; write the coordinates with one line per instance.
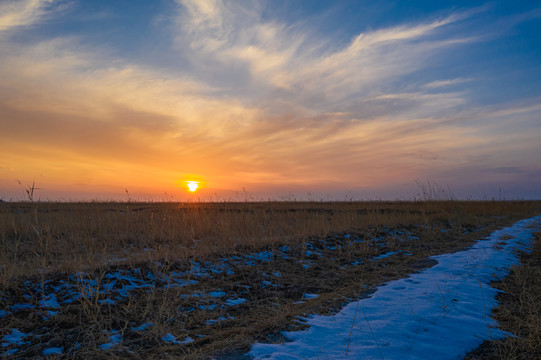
(303, 100)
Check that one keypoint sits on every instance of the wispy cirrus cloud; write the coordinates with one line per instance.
(20, 13)
(299, 67)
(445, 83)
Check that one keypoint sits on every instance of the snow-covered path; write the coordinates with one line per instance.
(440, 313)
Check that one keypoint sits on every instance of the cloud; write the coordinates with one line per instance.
(445, 83)
(21, 13)
(295, 70)
(515, 110)
(66, 101)
(100, 108)
(260, 102)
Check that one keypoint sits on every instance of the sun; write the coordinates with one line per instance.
(192, 185)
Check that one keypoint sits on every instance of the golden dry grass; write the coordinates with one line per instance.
(47, 243)
(52, 237)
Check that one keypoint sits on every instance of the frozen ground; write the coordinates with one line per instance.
(440, 313)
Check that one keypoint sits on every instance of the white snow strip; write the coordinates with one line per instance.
(440, 313)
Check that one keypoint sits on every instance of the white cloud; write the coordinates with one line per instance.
(306, 73)
(19, 13)
(444, 83)
(234, 34)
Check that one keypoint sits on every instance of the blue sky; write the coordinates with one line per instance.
(334, 98)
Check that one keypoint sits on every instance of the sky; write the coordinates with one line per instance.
(256, 100)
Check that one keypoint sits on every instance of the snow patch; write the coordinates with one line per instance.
(53, 351)
(114, 340)
(233, 302)
(142, 327)
(408, 318)
(170, 338)
(50, 302)
(14, 338)
(387, 254)
(216, 294)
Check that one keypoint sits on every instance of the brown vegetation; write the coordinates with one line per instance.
(51, 237)
(47, 244)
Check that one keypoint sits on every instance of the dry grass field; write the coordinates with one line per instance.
(197, 280)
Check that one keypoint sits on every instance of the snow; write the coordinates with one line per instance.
(142, 327)
(216, 294)
(17, 307)
(115, 286)
(115, 339)
(405, 318)
(170, 338)
(14, 338)
(50, 313)
(387, 254)
(173, 340)
(221, 318)
(106, 302)
(284, 248)
(53, 351)
(233, 302)
(187, 340)
(50, 301)
(440, 313)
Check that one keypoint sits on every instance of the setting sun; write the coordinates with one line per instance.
(192, 185)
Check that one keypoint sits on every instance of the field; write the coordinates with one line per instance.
(203, 280)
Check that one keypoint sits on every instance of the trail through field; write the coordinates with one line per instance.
(440, 313)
